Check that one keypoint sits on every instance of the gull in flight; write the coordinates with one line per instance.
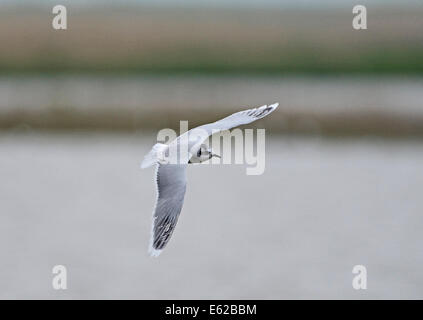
(171, 165)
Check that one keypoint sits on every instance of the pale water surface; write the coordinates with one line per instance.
(321, 207)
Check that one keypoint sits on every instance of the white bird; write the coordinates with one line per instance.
(171, 164)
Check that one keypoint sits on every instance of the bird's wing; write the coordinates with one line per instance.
(171, 184)
(238, 118)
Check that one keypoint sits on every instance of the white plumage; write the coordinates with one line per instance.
(171, 165)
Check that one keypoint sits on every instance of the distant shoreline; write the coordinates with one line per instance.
(335, 106)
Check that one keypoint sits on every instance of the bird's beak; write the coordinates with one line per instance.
(216, 155)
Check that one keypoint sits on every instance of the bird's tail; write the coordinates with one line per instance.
(154, 155)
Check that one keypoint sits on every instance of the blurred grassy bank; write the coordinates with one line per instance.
(165, 41)
(143, 68)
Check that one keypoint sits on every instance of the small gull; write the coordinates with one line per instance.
(171, 164)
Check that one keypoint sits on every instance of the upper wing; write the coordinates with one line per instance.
(171, 185)
(239, 118)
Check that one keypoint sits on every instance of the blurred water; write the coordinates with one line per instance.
(321, 207)
(360, 105)
(332, 94)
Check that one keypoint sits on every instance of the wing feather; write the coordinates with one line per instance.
(238, 119)
(171, 186)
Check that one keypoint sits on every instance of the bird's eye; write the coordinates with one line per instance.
(199, 153)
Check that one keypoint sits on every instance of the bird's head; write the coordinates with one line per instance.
(203, 154)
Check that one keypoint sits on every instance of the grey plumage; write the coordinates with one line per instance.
(171, 185)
